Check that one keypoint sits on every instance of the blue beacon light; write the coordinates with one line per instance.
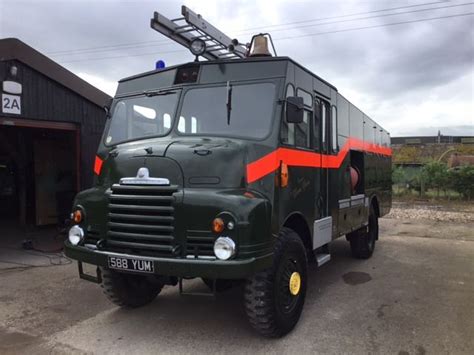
(160, 65)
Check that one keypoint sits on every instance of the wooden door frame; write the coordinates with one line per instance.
(63, 126)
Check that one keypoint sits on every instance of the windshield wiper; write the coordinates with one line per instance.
(159, 93)
(229, 101)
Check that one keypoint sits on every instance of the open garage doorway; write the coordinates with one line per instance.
(39, 172)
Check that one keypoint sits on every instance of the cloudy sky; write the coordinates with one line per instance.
(407, 64)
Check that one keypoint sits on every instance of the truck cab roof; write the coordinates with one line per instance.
(252, 68)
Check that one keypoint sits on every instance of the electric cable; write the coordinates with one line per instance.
(285, 38)
(54, 257)
(376, 16)
(166, 42)
(375, 26)
(348, 15)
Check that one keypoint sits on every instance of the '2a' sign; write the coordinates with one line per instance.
(11, 104)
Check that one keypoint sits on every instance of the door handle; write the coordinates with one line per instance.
(319, 202)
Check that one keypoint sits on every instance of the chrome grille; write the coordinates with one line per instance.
(141, 220)
(199, 243)
(92, 237)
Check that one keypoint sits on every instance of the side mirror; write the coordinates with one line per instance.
(107, 107)
(294, 109)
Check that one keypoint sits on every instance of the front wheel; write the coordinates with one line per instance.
(363, 240)
(274, 298)
(129, 290)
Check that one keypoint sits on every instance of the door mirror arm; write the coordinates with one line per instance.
(294, 109)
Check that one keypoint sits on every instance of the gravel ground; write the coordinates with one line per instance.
(440, 213)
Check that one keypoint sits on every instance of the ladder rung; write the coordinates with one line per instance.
(205, 37)
(230, 55)
(185, 30)
(182, 26)
(217, 46)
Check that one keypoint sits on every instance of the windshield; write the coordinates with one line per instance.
(140, 117)
(229, 110)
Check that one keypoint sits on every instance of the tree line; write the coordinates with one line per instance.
(437, 177)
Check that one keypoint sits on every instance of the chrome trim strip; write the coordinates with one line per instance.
(205, 257)
(144, 181)
(344, 203)
(143, 178)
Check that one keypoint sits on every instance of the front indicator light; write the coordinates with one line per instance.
(77, 216)
(218, 225)
(76, 234)
(224, 248)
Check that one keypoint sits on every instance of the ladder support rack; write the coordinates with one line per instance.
(185, 29)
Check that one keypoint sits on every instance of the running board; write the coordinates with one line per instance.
(322, 259)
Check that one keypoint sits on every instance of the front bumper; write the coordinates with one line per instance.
(179, 267)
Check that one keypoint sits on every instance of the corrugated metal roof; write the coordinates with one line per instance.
(14, 49)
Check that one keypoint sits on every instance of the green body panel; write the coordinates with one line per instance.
(209, 174)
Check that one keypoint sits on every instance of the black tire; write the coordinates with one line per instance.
(221, 284)
(129, 290)
(272, 309)
(363, 240)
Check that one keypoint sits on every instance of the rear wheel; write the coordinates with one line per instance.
(127, 290)
(274, 298)
(363, 240)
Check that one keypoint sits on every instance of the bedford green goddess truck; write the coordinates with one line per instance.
(243, 168)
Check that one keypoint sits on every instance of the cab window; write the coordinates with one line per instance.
(298, 135)
(320, 127)
(303, 130)
(288, 129)
(334, 145)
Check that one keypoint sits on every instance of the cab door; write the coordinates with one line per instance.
(295, 196)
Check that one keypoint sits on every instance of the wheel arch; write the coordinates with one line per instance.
(296, 222)
(374, 201)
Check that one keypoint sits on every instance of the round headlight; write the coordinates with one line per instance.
(198, 46)
(76, 234)
(224, 248)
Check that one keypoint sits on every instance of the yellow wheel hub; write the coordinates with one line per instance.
(295, 283)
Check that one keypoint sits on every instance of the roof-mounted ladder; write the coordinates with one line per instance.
(185, 29)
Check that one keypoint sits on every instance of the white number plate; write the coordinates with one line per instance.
(131, 264)
(11, 104)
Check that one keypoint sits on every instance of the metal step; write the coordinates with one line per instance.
(322, 259)
(211, 293)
